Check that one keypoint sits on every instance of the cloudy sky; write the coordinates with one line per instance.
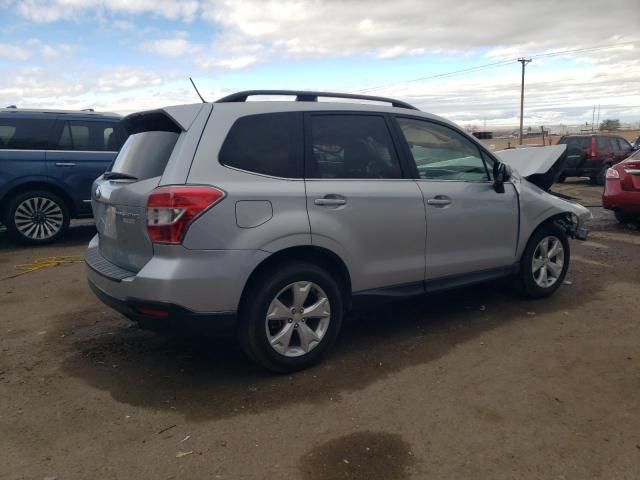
(127, 55)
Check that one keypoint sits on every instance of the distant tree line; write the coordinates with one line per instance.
(610, 124)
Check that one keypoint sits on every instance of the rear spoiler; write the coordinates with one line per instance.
(169, 119)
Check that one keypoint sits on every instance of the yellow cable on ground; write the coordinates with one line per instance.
(46, 262)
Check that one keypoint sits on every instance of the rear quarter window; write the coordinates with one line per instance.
(269, 144)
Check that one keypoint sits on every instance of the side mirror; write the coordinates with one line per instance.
(500, 175)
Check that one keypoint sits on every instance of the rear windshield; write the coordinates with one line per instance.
(145, 155)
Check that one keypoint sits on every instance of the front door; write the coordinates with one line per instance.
(360, 205)
(470, 227)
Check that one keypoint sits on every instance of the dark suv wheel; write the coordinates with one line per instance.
(291, 317)
(36, 217)
(545, 262)
(626, 218)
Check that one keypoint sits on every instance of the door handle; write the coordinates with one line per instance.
(65, 164)
(439, 201)
(330, 201)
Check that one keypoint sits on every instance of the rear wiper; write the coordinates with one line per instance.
(118, 176)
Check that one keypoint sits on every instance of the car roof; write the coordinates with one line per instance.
(34, 112)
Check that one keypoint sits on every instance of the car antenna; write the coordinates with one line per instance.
(196, 89)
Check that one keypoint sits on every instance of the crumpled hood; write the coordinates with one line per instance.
(540, 165)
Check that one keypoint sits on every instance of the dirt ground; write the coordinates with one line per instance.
(472, 384)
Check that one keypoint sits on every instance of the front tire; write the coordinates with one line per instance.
(290, 317)
(545, 262)
(36, 217)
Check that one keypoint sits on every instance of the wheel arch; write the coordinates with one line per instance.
(320, 256)
(37, 185)
(563, 220)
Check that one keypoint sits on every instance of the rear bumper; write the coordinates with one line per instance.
(615, 198)
(178, 319)
(188, 289)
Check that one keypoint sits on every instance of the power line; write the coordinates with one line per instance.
(494, 65)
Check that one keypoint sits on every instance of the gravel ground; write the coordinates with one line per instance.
(475, 383)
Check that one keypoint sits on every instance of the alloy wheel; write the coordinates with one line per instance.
(38, 218)
(297, 319)
(548, 261)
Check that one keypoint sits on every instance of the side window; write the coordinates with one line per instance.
(107, 136)
(25, 134)
(441, 153)
(613, 145)
(352, 146)
(270, 144)
(624, 145)
(74, 136)
(90, 136)
(602, 143)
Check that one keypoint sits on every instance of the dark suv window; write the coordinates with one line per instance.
(352, 146)
(581, 143)
(623, 144)
(25, 133)
(91, 136)
(270, 144)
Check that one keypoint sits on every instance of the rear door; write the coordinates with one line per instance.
(83, 150)
(360, 204)
(470, 227)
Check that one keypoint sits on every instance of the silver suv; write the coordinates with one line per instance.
(270, 219)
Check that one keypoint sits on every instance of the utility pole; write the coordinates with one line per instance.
(523, 61)
(593, 118)
(598, 121)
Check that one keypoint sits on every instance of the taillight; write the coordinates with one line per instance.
(594, 147)
(612, 173)
(171, 209)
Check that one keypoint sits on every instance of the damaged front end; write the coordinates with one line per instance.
(572, 225)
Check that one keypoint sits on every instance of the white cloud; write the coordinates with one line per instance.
(14, 52)
(44, 11)
(172, 47)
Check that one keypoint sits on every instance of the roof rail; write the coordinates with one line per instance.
(309, 96)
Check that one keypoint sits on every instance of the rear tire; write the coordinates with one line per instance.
(283, 332)
(36, 217)
(543, 268)
(626, 218)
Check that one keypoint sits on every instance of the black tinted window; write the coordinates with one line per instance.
(581, 143)
(90, 136)
(624, 145)
(25, 134)
(352, 146)
(269, 143)
(145, 155)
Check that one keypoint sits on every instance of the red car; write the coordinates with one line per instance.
(622, 189)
